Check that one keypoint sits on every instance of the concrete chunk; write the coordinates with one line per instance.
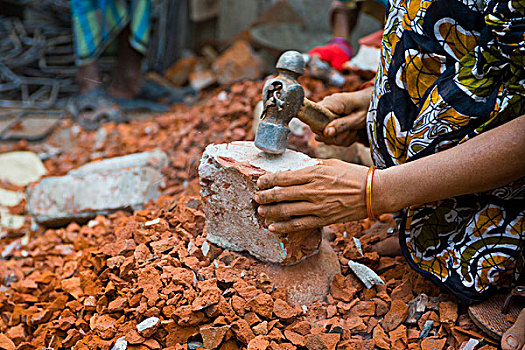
(97, 188)
(155, 159)
(228, 175)
(21, 168)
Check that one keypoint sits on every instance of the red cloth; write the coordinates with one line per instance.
(337, 52)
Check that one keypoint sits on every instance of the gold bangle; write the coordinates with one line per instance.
(368, 193)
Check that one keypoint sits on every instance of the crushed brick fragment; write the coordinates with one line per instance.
(448, 312)
(16, 334)
(320, 342)
(381, 340)
(134, 337)
(178, 334)
(395, 316)
(301, 327)
(72, 286)
(212, 336)
(149, 281)
(283, 310)
(399, 338)
(365, 308)
(330, 340)
(433, 343)
(118, 304)
(238, 62)
(403, 292)
(295, 338)
(262, 305)
(104, 326)
(260, 342)
(261, 328)
(6, 343)
(227, 274)
(242, 331)
(342, 289)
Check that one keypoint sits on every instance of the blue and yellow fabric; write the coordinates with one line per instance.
(97, 22)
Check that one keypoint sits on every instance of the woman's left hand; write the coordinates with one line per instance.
(331, 192)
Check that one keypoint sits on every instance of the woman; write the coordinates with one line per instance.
(446, 124)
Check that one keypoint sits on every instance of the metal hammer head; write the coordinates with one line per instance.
(282, 99)
(292, 61)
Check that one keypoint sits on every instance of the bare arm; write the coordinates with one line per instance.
(334, 191)
(489, 160)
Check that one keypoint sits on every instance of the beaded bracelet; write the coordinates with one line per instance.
(368, 193)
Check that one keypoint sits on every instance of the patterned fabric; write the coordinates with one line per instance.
(451, 70)
(97, 22)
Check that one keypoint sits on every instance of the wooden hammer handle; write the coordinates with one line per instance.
(315, 115)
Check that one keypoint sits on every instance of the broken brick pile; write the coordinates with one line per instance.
(150, 280)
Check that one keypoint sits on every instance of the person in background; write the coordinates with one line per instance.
(343, 19)
(98, 24)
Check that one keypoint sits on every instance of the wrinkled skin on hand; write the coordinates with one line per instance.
(354, 106)
(313, 197)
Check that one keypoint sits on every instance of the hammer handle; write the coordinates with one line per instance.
(315, 115)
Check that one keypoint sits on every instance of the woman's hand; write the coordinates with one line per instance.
(354, 106)
(331, 192)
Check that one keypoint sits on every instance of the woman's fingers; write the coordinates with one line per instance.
(335, 102)
(279, 194)
(330, 192)
(297, 224)
(345, 139)
(286, 194)
(287, 210)
(350, 122)
(285, 178)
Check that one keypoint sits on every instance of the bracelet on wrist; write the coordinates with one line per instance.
(368, 192)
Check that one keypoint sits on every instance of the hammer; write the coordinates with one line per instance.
(283, 99)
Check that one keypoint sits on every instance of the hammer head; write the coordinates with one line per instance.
(282, 99)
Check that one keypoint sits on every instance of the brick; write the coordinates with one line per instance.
(395, 316)
(237, 63)
(228, 176)
(212, 336)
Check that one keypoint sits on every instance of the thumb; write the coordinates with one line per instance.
(339, 125)
(333, 103)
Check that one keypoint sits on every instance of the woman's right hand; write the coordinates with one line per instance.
(354, 107)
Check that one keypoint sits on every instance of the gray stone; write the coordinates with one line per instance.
(365, 274)
(21, 168)
(148, 323)
(228, 175)
(155, 159)
(10, 198)
(98, 188)
(120, 344)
